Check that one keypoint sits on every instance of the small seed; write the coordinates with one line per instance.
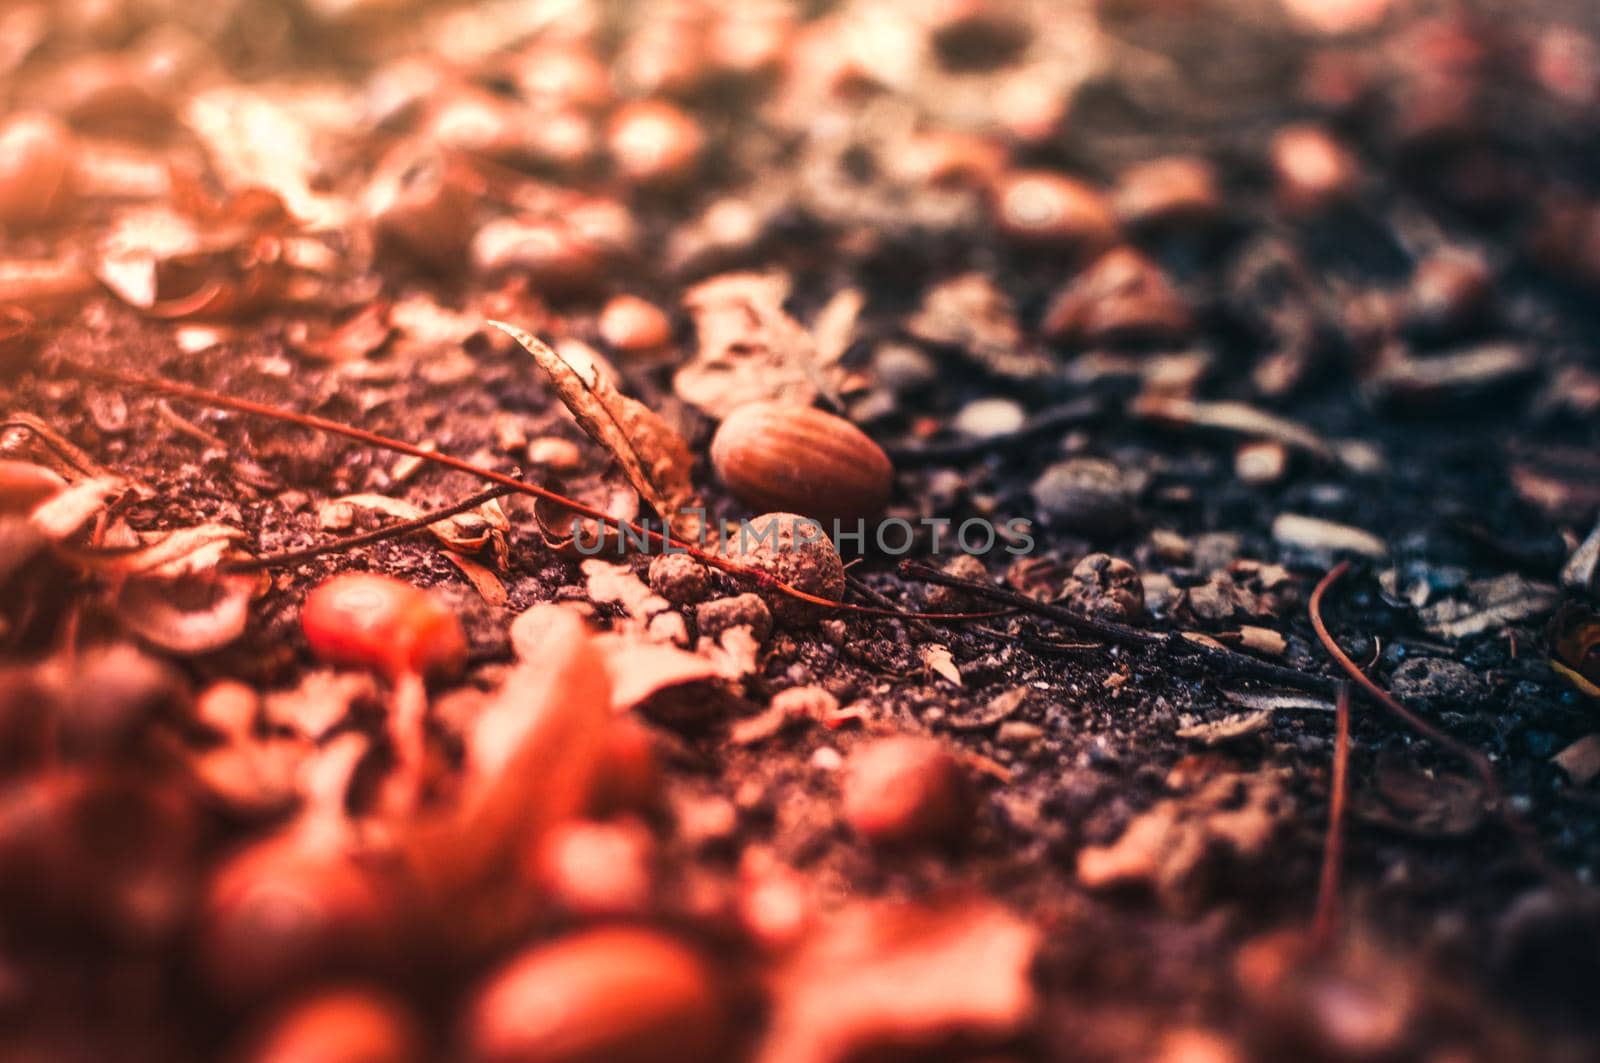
(774, 456)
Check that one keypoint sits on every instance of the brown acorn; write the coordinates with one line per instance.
(801, 460)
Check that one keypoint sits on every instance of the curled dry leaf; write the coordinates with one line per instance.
(968, 313)
(186, 615)
(611, 494)
(751, 350)
(640, 668)
(485, 582)
(653, 456)
(258, 141)
(466, 532)
(66, 511)
(885, 977)
(168, 555)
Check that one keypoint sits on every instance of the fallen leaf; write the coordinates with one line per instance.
(653, 456)
(750, 350)
(1580, 760)
(1234, 418)
(66, 511)
(998, 708)
(1226, 729)
(1490, 604)
(973, 316)
(882, 977)
(617, 583)
(348, 341)
(938, 660)
(1170, 847)
(486, 583)
(466, 532)
(1325, 537)
(561, 528)
(168, 555)
(639, 668)
(186, 615)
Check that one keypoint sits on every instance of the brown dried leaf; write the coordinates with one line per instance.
(640, 668)
(610, 494)
(186, 615)
(652, 455)
(168, 555)
(321, 701)
(466, 532)
(486, 583)
(751, 350)
(884, 976)
(972, 315)
(65, 512)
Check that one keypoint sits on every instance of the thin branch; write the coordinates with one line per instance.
(1329, 905)
(350, 542)
(1121, 634)
(1494, 797)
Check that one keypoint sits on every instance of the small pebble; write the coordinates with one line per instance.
(907, 791)
(1087, 495)
(679, 578)
(987, 418)
(749, 610)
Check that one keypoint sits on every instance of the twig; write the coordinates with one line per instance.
(1121, 634)
(1054, 419)
(350, 542)
(173, 388)
(1493, 796)
(1329, 906)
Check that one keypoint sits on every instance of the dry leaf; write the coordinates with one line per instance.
(65, 512)
(614, 583)
(322, 700)
(466, 532)
(890, 978)
(169, 555)
(751, 350)
(486, 583)
(559, 527)
(1580, 760)
(1491, 603)
(939, 661)
(639, 668)
(187, 615)
(653, 456)
(1226, 729)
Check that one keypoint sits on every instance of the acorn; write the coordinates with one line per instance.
(796, 459)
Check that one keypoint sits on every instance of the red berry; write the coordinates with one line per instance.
(374, 621)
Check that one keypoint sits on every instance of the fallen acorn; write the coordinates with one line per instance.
(907, 791)
(775, 456)
(606, 995)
